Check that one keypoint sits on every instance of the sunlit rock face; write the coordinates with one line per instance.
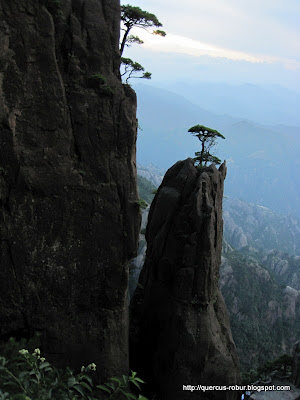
(180, 332)
(69, 217)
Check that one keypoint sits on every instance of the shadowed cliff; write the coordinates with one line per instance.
(69, 217)
(180, 332)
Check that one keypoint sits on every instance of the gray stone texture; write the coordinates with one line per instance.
(180, 332)
(69, 217)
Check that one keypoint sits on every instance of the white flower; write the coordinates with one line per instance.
(23, 352)
(37, 351)
(92, 367)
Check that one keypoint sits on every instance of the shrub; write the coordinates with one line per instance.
(28, 376)
(142, 203)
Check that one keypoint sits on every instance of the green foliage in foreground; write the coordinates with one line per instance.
(28, 376)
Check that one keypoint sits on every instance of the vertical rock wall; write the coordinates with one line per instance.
(180, 332)
(69, 219)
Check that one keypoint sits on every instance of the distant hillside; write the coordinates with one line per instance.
(262, 163)
(264, 313)
(247, 224)
(151, 173)
(146, 189)
(284, 267)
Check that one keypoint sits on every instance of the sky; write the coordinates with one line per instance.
(233, 41)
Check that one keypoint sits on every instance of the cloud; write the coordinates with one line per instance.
(257, 27)
(184, 45)
(223, 40)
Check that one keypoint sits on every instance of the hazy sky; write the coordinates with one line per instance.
(255, 41)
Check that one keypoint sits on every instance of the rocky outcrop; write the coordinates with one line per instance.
(286, 268)
(234, 233)
(69, 214)
(180, 332)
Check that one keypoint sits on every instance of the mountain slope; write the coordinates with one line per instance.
(247, 224)
(262, 163)
(266, 104)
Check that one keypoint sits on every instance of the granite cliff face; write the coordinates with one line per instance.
(180, 332)
(69, 218)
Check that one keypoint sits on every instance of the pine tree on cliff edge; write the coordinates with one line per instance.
(207, 137)
(131, 17)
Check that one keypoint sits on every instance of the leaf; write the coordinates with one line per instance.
(125, 379)
(88, 378)
(3, 360)
(111, 385)
(139, 380)
(13, 383)
(79, 389)
(44, 365)
(85, 385)
(72, 381)
(142, 397)
(102, 387)
(20, 397)
(49, 396)
(23, 373)
(128, 395)
(116, 380)
(135, 383)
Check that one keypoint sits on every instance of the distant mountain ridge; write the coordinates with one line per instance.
(262, 163)
(266, 104)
